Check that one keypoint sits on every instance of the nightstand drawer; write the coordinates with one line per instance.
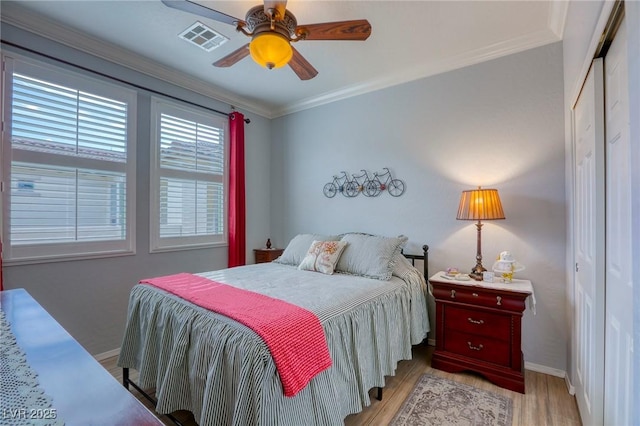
(477, 322)
(478, 347)
(481, 297)
(262, 257)
(267, 255)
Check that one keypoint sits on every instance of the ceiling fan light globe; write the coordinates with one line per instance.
(270, 50)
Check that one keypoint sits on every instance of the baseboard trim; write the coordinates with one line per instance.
(545, 370)
(570, 388)
(552, 372)
(431, 342)
(108, 354)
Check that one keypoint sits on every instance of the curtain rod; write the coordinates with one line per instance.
(120, 80)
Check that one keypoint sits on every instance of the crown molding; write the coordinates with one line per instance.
(494, 51)
(37, 24)
(558, 10)
(41, 26)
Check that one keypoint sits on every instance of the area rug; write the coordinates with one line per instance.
(438, 401)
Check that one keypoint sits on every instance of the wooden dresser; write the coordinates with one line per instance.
(478, 328)
(83, 392)
(267, 255)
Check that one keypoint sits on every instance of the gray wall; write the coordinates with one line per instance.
(89, 297)
(497, 124)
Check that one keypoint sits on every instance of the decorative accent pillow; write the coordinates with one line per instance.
(370, 256)
(323, 256)
(297, 248)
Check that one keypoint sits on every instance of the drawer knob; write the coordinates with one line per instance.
(499, 299)
(471, 320)
(475, 348)
(453, 294)
(475, 294)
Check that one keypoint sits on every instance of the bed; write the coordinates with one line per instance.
(372, 309)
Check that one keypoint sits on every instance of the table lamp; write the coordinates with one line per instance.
(479, 204)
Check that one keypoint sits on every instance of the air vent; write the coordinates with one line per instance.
(203, 36)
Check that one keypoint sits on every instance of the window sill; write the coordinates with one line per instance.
(165, 249)
(65, 258)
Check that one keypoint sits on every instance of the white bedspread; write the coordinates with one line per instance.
(222, 371)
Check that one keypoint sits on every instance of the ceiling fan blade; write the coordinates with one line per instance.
(359, 29)
(233, 57)
(301, 66)
(198, 9)
(278, 5)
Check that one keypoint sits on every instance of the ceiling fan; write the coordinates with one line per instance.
(273, 29)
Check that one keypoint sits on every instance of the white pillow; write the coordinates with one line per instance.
(297, 248)
(322, 256)
(402, 266)
(370, 256)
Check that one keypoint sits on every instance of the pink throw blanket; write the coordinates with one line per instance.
(293, 335)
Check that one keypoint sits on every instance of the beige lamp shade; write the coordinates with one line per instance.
(480, 204)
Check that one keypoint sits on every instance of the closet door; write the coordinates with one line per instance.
(619, 290)
(588, 122)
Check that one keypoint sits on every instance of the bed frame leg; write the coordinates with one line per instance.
(379, 397)
(126, 382)
(125, 377)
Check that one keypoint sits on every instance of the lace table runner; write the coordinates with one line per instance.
(23, 401)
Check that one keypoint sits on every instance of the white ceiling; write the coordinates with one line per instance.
(409, 40)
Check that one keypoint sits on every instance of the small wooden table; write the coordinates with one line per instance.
(478, 328)
(82, 391)
(267, 255)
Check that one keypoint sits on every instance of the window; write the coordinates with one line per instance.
(188, 177)
(70, 166)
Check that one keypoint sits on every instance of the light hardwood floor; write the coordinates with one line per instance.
(546, 401)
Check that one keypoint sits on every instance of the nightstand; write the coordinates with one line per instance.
(267, 255)
(478, 328)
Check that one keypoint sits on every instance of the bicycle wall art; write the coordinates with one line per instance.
(370, 186)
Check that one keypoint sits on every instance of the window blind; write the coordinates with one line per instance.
(51, 118)
(188, 145)
(60, 204)
(189, 177)
(71, 176)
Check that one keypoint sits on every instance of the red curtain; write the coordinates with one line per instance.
(237, 240)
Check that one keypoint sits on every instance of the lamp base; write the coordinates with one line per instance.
(476, 272)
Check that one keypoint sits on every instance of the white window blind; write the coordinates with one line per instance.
(71, 165)
(188, 177)
(52, 118)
